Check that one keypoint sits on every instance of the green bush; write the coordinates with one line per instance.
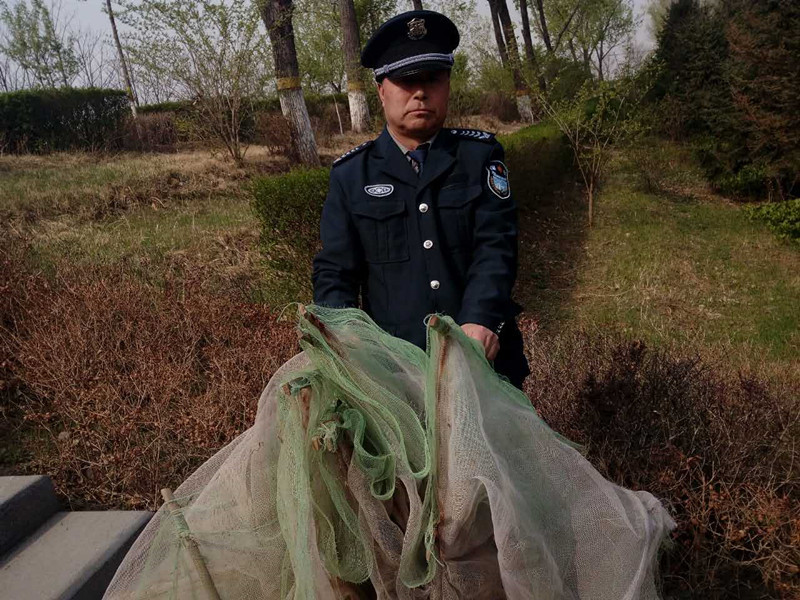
(179, 106)
(783, 218)
(62, 119)
(288, 208)
(749, 181)
(538, 157)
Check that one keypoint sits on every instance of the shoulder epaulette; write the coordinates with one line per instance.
(353, 152)
(473, 134)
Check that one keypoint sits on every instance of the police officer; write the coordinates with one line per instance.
(421, 220)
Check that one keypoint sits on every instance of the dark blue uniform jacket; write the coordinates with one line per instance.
(409, 245)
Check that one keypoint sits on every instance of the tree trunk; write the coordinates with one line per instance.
(543, 22)
(523, 98)
(417, 4)
(571, 45)
(277, 16)
(351, 44)
(498, 34)
(338, 116)
(124, 64)
(525, 108)
(529, 53)
(587, 60)
(526, 31)
(600, 57)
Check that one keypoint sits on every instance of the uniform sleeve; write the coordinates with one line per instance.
(338, 268)
(491, 275)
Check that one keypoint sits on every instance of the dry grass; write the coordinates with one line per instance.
(91, 187)
(117, 388)
(718, 445)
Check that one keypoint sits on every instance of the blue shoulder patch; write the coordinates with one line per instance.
(473, 134)
(353, 152)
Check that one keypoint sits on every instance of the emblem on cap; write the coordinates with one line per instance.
(416, 29)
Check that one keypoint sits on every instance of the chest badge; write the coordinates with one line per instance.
(497, 178)
(380, 190)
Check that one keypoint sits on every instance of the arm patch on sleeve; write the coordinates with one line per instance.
(497, 178)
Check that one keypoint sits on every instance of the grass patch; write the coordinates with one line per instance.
(673, 267)
(90, 186)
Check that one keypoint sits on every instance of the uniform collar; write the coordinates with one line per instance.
(405, 150)
(395, 164)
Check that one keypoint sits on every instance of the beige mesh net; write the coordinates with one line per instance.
(377, 470)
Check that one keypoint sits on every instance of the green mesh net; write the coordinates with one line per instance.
(375, 469)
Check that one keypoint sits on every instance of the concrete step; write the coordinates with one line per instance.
(73, 556)
(25, 503)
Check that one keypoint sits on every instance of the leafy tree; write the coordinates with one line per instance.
(763, 73)
(38, 41)
(600, 117)
(600, 27)
(214, 50)
(656, 12)
(319, 54)
(693, 51)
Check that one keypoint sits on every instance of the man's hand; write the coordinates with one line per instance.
(487, 338)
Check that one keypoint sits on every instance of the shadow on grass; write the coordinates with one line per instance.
(552, 230)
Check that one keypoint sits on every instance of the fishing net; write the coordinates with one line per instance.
(375, 469)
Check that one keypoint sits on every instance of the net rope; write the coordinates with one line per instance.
(375, 469)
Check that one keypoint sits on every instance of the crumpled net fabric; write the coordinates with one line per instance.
(375, 469)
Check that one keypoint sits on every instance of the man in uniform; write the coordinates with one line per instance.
(421, 220)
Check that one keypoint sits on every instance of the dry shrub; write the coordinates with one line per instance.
(272, 130)
(719, 448)
(119, 388)
(151, 132)
(326, 123)
(499, 105)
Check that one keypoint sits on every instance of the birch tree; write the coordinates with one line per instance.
(351, 47)
(498, 34)
(277, 16)
(523, 97)
(530, 53)
(123, 63)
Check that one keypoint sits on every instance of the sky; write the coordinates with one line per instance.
(89, 14)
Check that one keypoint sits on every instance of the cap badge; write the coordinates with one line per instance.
(416, 29)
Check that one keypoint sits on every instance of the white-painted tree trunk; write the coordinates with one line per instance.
(293, 107)
(524, 107)
(359, 110)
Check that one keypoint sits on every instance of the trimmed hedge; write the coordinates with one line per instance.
(61, 119)
(289, 206)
